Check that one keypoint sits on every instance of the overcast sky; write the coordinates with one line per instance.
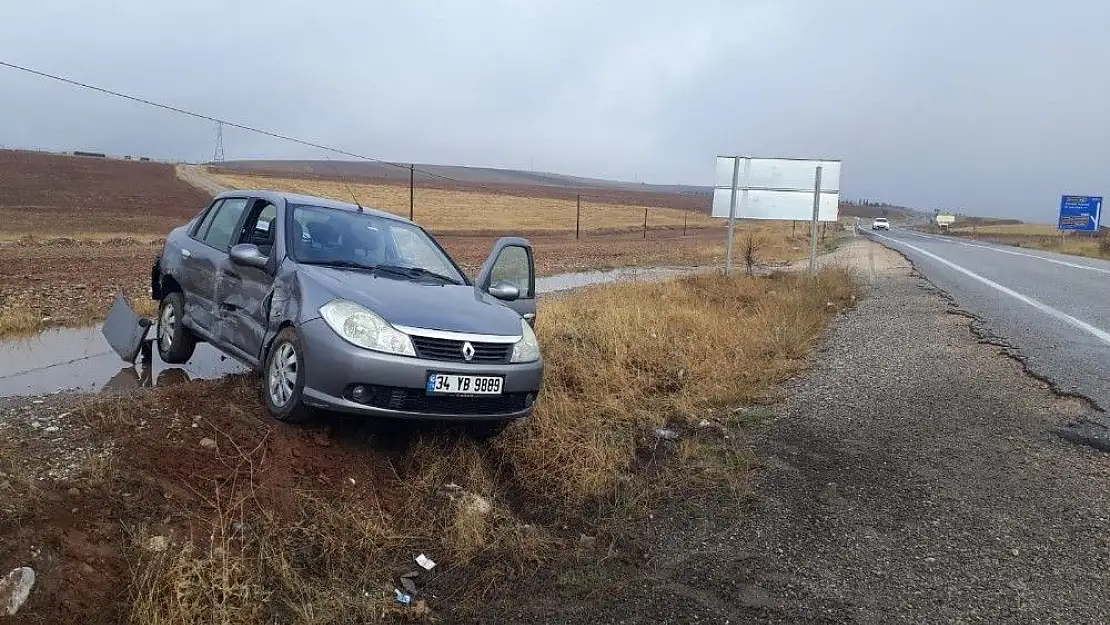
(989, 107)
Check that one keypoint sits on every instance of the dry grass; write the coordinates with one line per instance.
(17, 322)
(87, 238)
(1013, 229)
(21, 322)
(1041, 237)
(262, 541)
(627, 359)
(461, 211)
(325, 557)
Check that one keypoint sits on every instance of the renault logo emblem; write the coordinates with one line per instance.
(467, 350)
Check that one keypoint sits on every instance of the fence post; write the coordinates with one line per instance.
(645, 222)
(683, 225)
(578, 216)
(412, 190)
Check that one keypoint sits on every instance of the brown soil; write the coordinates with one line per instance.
(54, 195)
(81, 531)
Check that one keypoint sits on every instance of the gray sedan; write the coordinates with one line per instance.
(350, 309)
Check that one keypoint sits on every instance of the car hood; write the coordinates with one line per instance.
(418, 304)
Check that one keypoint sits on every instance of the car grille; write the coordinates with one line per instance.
(417, 400)
(452, 351)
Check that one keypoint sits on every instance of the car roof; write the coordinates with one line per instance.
(278, 197)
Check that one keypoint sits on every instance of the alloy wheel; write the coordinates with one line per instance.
(282, 374)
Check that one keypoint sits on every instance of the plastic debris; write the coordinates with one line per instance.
(402, 597)
(425, 562)
(666, 434)
(14, 590)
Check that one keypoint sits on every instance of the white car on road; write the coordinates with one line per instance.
(880, 223)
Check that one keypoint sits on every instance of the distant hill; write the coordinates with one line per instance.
(870, 210)
(363, 170)
(482, 179)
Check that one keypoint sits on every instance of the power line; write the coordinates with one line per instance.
(224, 122)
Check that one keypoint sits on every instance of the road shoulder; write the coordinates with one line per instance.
(912, 475)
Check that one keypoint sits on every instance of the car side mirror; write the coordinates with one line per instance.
(504, 291)
(248, 255)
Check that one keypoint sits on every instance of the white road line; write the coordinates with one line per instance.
(1102, 335)
(1013, 253)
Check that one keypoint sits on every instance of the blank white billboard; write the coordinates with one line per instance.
(777, 205)
(777, 188)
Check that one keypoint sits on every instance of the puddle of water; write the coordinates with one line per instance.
(81, 360)
(568, 281)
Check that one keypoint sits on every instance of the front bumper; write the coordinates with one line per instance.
(333, 366)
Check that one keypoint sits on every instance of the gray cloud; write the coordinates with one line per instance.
(989, 107)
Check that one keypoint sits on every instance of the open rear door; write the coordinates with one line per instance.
(512, 263)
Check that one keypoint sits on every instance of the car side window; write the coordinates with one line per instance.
(260, 227)
(206, 221)
(512, 266)
(222, 229)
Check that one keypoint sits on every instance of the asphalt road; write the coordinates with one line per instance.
(1053, 310)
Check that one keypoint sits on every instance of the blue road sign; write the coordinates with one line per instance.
(1080, 213)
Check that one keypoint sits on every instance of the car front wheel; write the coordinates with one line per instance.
(175, 342)
(283, 378)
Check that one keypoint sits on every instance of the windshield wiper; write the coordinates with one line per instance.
(397, 270)
(414, 272)
(338, 262)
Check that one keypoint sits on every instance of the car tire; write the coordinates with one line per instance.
(283, 379)
(175, 342)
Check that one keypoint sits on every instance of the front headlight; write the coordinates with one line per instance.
(527, 349)
(361, 326)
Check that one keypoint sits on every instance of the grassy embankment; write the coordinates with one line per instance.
(275, 523)
(1041, 237)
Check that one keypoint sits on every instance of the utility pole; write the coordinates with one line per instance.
(218, 153)
(412, 190)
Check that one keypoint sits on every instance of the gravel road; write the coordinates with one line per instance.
(911, 476)
(199, 178)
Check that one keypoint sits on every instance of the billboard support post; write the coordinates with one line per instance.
(813, 223)
(732, 213)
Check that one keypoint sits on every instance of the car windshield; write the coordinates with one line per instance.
(364, 240)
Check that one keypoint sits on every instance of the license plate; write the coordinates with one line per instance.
(451, 384)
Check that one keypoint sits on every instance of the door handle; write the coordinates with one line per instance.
(186, 253)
